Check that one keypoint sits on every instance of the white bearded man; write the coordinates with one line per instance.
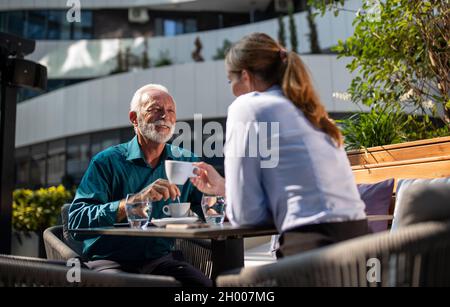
(136, 167)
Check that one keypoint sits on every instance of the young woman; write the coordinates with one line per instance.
(306, 187)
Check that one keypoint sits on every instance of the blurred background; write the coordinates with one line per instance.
(96, 64)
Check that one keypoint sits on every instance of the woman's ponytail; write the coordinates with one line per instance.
(297, 86)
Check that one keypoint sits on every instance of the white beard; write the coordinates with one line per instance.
(150, 133)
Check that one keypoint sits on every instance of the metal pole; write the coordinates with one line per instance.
(14, 72)
(7, 144)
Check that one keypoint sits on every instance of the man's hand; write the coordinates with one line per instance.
(161, 189)
(158, 190)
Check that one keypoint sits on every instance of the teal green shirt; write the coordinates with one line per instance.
(111, 175)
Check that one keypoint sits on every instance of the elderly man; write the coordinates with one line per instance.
(136, 167)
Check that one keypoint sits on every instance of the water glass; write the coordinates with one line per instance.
(214, 209)
(139, 210)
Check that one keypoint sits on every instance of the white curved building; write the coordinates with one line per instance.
(86, 107)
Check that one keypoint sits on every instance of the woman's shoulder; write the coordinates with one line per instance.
(241, 107)
(258, 103)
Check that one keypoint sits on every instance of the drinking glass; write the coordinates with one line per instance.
(213, 208)
(139, 210)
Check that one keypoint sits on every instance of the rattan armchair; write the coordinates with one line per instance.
(59, 245)
(416, 255)
(18, 271)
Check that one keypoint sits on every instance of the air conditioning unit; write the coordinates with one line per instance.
(138, 15)
(282, 6)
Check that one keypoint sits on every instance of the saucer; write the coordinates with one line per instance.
(173, 220)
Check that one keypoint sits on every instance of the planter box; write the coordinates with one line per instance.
(27, 244)
(23, 244)
(419, 159)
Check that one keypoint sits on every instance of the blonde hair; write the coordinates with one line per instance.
(259, 54)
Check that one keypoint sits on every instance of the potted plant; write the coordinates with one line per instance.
(388, 124)
(222, 51)
(33, 212)
(164, 59)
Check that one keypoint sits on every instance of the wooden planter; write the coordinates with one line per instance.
(419, 159)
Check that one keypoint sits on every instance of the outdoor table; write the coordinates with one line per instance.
(227, 244)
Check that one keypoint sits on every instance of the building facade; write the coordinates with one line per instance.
(95, 65)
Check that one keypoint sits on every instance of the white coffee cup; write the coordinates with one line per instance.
(179, 171)
(177, 209)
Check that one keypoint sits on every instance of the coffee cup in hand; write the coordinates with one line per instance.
(179, 171)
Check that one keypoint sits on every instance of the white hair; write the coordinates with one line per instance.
(137, 99)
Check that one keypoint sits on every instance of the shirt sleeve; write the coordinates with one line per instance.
(92, 205)
(245, 195)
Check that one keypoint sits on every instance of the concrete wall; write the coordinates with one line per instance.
(103, 103)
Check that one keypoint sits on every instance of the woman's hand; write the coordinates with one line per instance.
(208, 180)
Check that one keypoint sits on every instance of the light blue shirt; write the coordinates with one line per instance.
(303, 179)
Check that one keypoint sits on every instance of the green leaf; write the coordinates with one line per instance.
(36, 210)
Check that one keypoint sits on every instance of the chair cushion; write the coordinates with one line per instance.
(419, 200)
(377, 197)
(422, 202)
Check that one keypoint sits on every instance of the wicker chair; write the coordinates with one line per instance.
(59, 245)
(18, 271)
(56, 247)
(416, 255)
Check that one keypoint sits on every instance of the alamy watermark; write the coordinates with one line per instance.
(74, 273)
(259, 140)
(74, 12)
(374, 270)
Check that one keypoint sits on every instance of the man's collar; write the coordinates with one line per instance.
(168, 152)
(135, 151)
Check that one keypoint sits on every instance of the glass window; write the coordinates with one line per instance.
(57, 26)
(24, 94)
(52, 84)
(15, 23)
(4, 21)
(83, 29)
(190, 26)
(37, 170)
(56, 162)
(170, 27)
(77, 158)
(36, 24)
(179, 27)
(22, 156)
(159, 27)
(103, 140)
